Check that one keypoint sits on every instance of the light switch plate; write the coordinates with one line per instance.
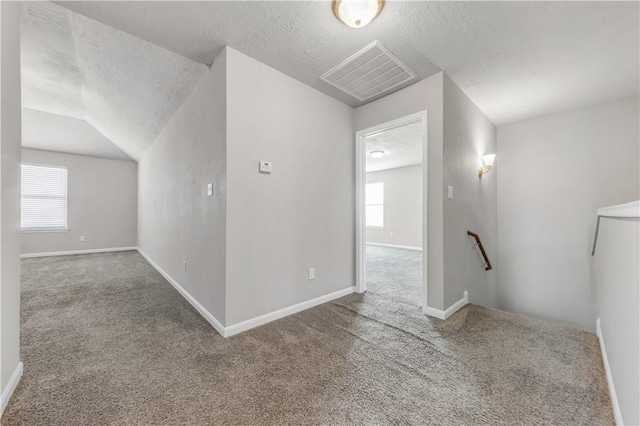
(449, 191)
(266, 166)
(209, 189)
(81, 237)
(312, 273)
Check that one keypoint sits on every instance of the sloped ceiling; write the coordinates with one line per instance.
(51, 132)
(124, 87)
(515, 60)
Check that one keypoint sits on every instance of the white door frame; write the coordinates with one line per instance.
(361, 177)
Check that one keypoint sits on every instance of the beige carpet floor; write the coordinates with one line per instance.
(106, 340)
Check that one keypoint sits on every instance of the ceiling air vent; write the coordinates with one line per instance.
(368, 73)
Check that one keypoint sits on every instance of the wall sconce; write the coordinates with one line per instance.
(487, 161)
(357, 13)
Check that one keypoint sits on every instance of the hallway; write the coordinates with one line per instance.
(106, 340)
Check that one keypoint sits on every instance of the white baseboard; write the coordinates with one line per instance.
(72, 252)
(250, 323)
(443, 315)
(612, 390)
(11, 386)
(206, 314)
(395, 246)
(272, 316)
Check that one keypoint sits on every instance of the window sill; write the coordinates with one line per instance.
(43, 230)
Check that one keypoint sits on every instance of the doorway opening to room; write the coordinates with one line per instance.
(391, 231)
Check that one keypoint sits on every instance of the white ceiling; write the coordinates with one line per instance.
(50, 132)
(124, 87)
(515, 60)
(402, 147)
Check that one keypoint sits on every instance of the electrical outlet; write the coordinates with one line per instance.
(209, 189)
(312, 274)
(81, 237)
(184, 266)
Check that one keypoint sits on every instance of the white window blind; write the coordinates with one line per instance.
(374, 200)
(44, 198)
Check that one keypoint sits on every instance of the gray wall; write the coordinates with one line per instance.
(402, 207)
(174, 212)
(101, 204)
(300, 216)
(616, 266)
(10, 129)
(554, 172)
(427, 95)
(468, 134)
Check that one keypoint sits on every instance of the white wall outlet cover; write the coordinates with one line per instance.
(81, 237)
(312, 273)
(209, 189)
(266, 166)
(450, 191)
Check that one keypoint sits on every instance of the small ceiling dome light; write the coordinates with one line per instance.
(376, 154)
(357, 13)
(487, 160)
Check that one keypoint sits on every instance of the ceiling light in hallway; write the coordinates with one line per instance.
(357, 13)
(376, 154)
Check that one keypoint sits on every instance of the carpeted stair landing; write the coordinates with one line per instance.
(106, 340)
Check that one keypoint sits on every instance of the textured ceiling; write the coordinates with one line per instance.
(402, 147)
(515, 60)
(124, 87)
(50, 132)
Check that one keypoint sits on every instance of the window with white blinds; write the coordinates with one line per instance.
(44, 198)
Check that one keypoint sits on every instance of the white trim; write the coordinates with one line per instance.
(250, 323)
(395, 246)
(72, 252)
(443, 315)
(206, 314)
(361, 230)
(621, 210)
(612, 390)
(11, 386)
(281, 313)
(42, 230)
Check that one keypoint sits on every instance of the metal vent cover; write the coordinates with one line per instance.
(368, 73)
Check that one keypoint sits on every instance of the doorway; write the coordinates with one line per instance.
(391, 231)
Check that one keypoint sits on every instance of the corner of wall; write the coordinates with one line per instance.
(10, 158)
(468, 134)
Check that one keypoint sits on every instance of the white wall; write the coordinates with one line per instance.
(554, 172)
(427, 95)
(10, 129)
(468, 134)
(174, 212)
(402, 206)
(101, 204)
(616, 266)
(301, 215)
(458, 133)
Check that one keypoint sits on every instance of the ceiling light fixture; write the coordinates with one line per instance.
(487, 161)
(357, 13)
(376, 154)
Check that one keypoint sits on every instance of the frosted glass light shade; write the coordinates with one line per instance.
(488, 160)
(357, 13)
